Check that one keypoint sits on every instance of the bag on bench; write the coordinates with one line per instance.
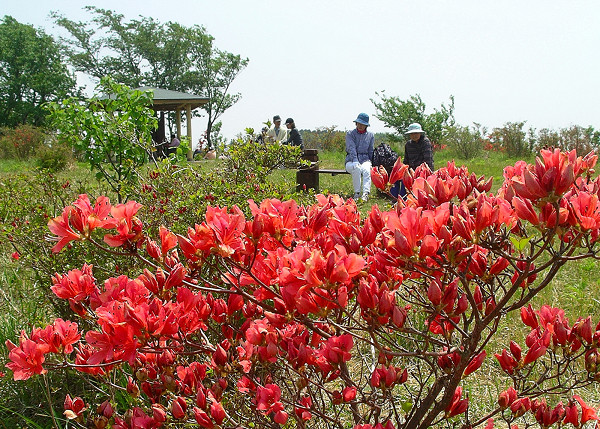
(384, 155)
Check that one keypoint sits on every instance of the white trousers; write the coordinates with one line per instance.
(361, 175)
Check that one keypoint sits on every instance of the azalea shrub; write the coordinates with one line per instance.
(512, 139)
(316, 316)
(22, 142)
(246, 157)
(176, 196)
(582, 139)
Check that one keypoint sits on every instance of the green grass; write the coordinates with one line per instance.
(13, 166)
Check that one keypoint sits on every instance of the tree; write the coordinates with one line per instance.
(146, 52)
(31, 73)
(112, 130)
(399, 114)
(220, 68)
(311, 317)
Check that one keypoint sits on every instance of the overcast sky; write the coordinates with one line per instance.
(321, 61)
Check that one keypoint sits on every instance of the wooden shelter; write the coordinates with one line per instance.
(167, 100)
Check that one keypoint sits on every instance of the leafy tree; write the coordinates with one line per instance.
(146, 52)
(399, 114)
(31, 73)
(112, 131)
(220, 68)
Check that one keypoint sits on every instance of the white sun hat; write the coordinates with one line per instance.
(414, 128)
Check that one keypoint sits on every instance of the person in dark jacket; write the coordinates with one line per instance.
(418, 150)
(294, 138)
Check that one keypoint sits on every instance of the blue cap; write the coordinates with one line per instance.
(363, 118)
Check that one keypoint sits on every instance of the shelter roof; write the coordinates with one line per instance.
(165, 99)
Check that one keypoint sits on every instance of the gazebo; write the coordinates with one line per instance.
(167, 100)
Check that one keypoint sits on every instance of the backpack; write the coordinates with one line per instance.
(384, 155)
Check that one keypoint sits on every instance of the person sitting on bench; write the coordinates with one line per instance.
(295, 139)
(172, 148)
(359, 150)
(418, 150)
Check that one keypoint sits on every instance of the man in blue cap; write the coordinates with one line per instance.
(359, 153)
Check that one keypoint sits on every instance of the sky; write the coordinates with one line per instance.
(322, 61)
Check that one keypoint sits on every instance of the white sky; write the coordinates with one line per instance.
(321, 61)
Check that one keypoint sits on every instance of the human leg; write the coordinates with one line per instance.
(354, 169)
(365, 170)
(402, 190)
(395, 190)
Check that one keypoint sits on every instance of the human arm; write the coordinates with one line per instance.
(428, 154)
(351, 148)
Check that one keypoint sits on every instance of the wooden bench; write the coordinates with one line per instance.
(308, 177)
(330, 171)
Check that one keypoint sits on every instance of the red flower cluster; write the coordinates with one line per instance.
(309, 314)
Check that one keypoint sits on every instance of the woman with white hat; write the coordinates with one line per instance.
(418, 150)
(359, 153)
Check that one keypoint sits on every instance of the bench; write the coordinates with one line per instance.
(332, 172)
(308, 177)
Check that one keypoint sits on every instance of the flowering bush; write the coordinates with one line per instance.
(512, 139)
(310, 316)
(176, 196)
(22, 142)
(576, 137)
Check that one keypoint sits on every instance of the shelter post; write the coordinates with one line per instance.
(178, 116)
(188, 116)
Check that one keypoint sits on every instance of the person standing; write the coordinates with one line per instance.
(295, 139)
(276, 133)
(418, 150)
(359, 153)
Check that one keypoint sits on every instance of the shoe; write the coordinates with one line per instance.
(356, 196)
(365, 197)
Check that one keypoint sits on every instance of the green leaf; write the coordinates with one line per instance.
(520, 243)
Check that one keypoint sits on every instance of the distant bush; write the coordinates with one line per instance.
(583, 140)
(511, 139)
(246, 157)
(22, 142)
(466, 142)
(324, 138)
(54, 158)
